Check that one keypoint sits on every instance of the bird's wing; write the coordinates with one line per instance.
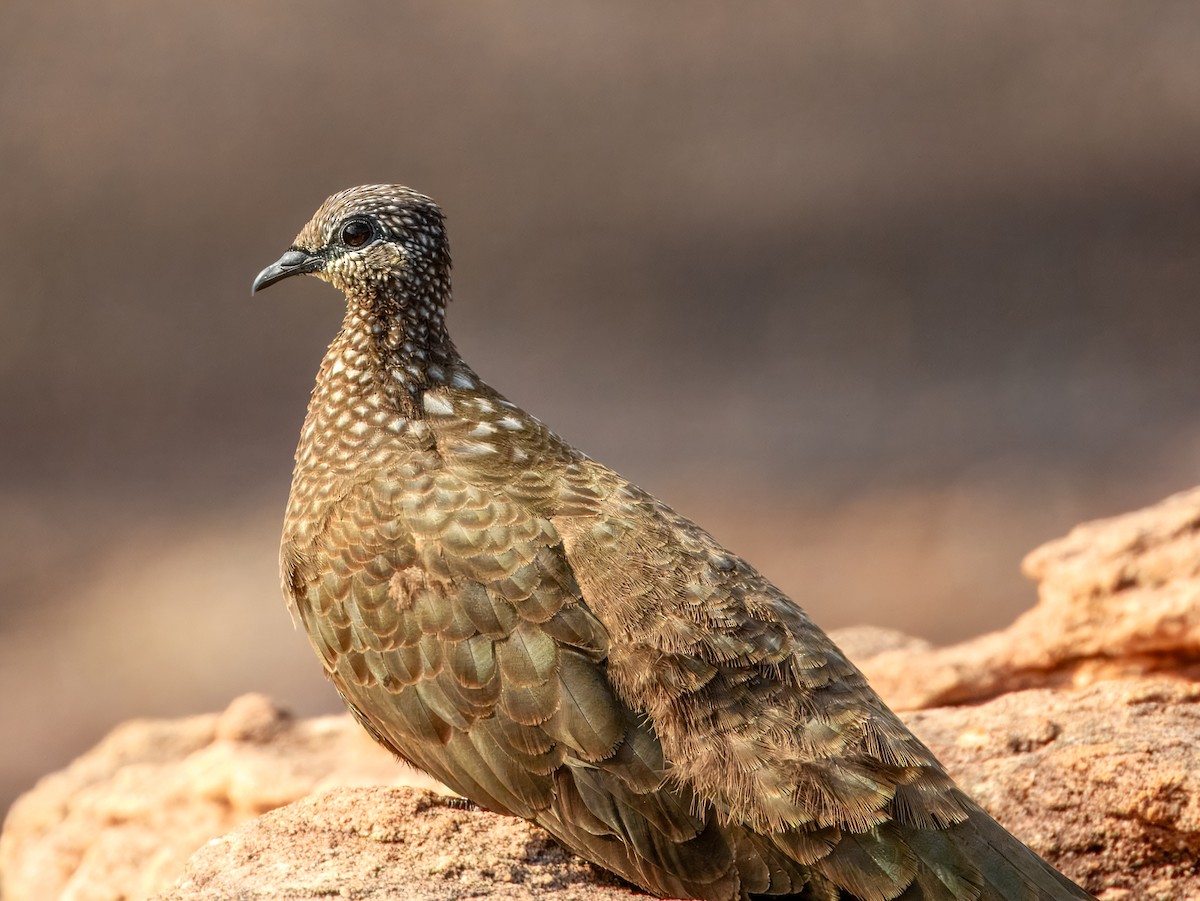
(762, 717)
(447, 617)
(440, 613)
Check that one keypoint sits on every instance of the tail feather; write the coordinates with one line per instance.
(975, 860)
(1010, 869)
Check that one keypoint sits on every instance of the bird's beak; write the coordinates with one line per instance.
(294, 262)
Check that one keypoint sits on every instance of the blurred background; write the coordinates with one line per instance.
(883, 295)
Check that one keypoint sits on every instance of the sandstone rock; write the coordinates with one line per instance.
(376, 843)
(1117, 597)
(1103, 782)
(121, 820)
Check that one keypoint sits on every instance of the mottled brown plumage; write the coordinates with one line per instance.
(554, 643)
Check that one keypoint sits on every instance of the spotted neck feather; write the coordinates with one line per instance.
(370, 388)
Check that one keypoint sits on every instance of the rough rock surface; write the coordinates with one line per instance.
(1104, 782)
(379, 843)
(1117, 597)
(1098, 769)
(120, 821)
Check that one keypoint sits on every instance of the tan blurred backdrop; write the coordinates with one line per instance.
(883, 294)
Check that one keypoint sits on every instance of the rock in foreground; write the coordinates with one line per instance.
(121, 820)
(380, 843)
(1103, 783)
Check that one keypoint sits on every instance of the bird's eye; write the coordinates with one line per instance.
(356, 233)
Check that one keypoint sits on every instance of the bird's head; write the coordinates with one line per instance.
(379, 244)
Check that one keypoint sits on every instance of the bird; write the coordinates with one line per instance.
(552, 642)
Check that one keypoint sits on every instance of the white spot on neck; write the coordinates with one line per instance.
(474, 449)
(437, 404)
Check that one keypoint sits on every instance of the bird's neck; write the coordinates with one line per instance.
(393, 354)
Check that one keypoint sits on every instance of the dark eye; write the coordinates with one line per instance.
(356, 232)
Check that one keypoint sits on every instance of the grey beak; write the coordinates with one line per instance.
(294, 262)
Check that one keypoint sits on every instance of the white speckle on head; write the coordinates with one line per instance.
(462, 380)
(511, 423)
(437, 404)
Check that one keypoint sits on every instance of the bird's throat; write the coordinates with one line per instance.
(403, 346)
